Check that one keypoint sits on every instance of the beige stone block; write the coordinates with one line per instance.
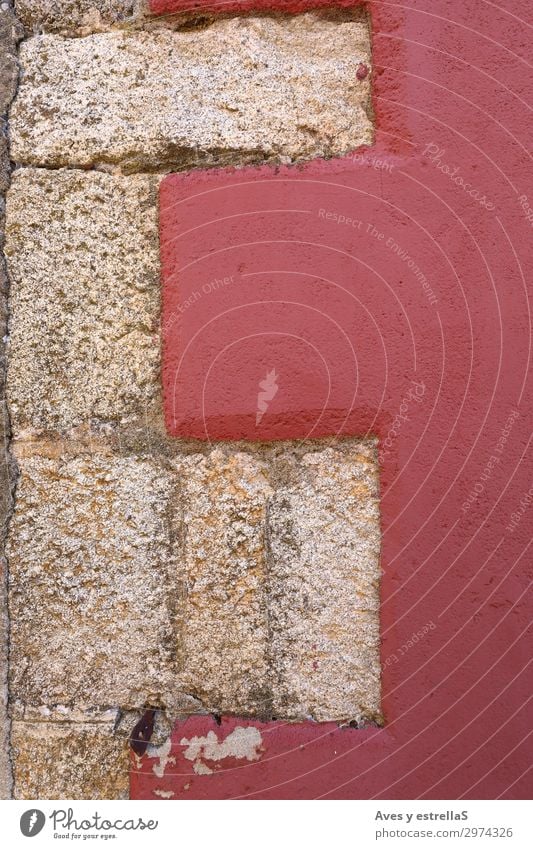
(83, 259)
(243, 89)
(92, 586)
(324, 556)
(224, 647)
(63, 760)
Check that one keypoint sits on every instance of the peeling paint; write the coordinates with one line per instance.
(164, 794)
(241, 744)
(202, 769)
(163, 753)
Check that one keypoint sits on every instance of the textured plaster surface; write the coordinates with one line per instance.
(242, 89)
(83, 260)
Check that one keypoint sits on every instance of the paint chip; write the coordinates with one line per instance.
(163, 753)
(241, 744)
(164, 794)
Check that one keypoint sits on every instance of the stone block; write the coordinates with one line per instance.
(91, 582)
(240, 90)
(63, 760)
(82, 253)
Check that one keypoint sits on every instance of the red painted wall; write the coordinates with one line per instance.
(445, 181)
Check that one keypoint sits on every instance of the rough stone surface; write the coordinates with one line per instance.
(91, 587)
(82, 252)
(74, 15)
(10, 33)
(6, 501)
(324, 588)
(282, 577)
(225, 641)
(239, 581)
(240, 90)
(243, 581)
(65, 760)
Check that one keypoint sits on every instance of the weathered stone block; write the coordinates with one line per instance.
(324, 535)
(240, 90)
(224, 647)
(91, 582)
(282, 557)
(82, 251)
(63, 760)
(243, 581)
